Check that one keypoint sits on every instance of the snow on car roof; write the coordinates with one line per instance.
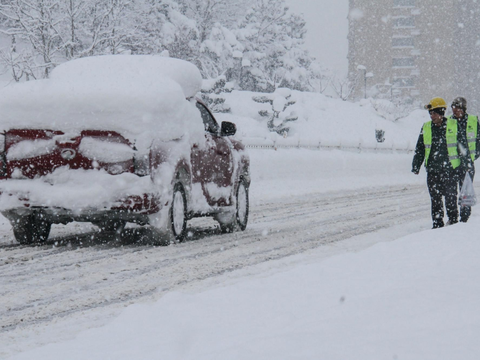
(124, 68)
(136, 95)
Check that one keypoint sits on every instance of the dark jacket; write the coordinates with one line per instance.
(438, 160)
(462, 128)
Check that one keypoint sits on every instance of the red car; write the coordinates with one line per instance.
(107, 149)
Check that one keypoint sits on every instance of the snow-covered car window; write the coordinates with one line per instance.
(208, 121)
(105, 149)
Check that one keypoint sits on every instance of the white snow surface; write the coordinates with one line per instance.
(125, 69)
(381, 295)
(413, 298)
(324, 121)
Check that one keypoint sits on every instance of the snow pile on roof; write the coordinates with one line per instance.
(123, 69)
(135, 95)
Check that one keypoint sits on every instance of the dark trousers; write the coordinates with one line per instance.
(465, 211)
(443, 184)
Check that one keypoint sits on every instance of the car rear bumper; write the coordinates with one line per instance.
(131, 209)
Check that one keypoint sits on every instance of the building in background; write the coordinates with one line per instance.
(415, 49)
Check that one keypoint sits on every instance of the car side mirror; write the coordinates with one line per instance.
(228, 128)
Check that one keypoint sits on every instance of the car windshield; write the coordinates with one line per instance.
(208, 121)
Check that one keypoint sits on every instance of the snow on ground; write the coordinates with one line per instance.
(412, 297)
(325, 120)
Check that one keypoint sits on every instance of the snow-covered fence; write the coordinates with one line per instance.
(265, 143)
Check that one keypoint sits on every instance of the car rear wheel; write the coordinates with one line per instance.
(31, 229)
(241, 211)
(242, 205)
(178, 213)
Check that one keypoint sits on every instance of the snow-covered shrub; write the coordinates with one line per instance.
(212, 93)
(277, 115)
(394, 110)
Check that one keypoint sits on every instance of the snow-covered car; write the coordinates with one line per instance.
(117, 139)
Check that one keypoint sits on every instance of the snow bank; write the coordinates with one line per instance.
(323, 120)
(413, 298)
(139, 96)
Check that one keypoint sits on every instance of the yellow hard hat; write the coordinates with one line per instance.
(436, 103)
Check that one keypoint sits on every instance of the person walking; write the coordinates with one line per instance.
(468, 127)
(444, 150)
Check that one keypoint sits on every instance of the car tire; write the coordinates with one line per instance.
(178, 213)
(31, 229)
(240, 218)
(242, 206)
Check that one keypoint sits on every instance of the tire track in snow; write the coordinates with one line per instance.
(39, 284)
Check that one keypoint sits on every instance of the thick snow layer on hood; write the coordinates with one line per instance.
(146, 98)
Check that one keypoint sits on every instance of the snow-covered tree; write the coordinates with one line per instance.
(219, 53)
(162, 27)
(20, 64)
(107, 27)
(344, 86)
(258, 47)
(35, 22)
(207, 14)
(273, 41)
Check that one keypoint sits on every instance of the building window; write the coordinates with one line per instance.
(403, 3)
(403, 62)
(402, 42)
(404, 21)
(403, 82)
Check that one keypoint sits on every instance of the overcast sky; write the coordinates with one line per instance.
(327, 27)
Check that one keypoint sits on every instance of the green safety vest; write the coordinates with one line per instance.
(472, 128)
(472, 131)
(452, 142)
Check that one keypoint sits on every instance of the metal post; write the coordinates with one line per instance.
(365, 77)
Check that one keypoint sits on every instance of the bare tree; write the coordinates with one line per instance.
(344, 86)
(35, 22)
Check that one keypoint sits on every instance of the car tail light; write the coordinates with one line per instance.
(142, 165)
(3, 160)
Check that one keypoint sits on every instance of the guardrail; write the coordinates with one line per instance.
(257, 143)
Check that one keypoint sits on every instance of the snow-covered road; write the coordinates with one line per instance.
(80, 271)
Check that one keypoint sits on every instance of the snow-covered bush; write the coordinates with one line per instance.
(212, 93)
(394, 110)
(277, 115)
